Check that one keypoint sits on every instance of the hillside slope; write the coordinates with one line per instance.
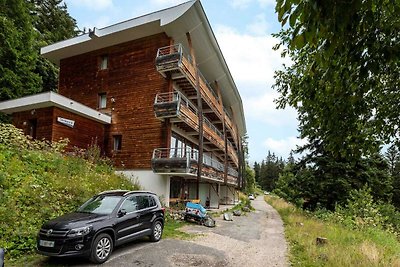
(38, 181)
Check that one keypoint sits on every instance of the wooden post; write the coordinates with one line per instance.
(200, 115)
(224, 133)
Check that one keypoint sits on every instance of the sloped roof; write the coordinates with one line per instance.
(175, 22)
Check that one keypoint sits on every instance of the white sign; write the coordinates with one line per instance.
(69, 123)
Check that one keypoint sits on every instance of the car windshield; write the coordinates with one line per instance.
(100, 205)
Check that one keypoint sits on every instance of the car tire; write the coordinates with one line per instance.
(156, 231)
(102, 248)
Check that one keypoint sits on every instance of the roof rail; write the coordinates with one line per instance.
(113, 191)
(138, 191)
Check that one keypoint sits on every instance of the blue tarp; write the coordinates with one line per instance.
(193, 206)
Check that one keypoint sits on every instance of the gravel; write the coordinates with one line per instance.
(256, 239)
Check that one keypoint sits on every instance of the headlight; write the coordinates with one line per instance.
(82, 231)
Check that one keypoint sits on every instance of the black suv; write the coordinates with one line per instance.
(105, 221)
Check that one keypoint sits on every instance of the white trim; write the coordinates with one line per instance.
(51, 99)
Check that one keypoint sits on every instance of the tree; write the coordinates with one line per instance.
(257, 172)
(344, 84)
(344, 77)
(53, 23)
(250, 180)
(17, 54)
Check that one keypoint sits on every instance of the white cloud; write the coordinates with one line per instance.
(250, 57)
(263, 109)
(240, 3)
(91, 4)
(166, 3)
(265, 3)
(282, 147)
(259, 26)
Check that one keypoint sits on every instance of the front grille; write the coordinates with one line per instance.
(55, 250)
(53, 233)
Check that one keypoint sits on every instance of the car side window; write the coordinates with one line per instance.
(130, 204)
(143, 202)
(152, 201)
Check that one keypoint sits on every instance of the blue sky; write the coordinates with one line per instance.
(243, 29)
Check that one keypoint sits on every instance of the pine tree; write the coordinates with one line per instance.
(53, 23)
(18, 55)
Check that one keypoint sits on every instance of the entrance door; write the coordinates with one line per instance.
(32, 126)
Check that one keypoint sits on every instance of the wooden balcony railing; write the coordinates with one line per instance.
(175, 105)
(232, 154)
(185, 162)
(233, 176)
(173, 59)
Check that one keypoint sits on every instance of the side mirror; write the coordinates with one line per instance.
(121, 212)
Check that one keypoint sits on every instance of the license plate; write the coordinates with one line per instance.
(45, 243)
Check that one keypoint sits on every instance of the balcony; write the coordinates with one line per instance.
(184, 162)
(172, 61)
(175, 105)
(232, 176)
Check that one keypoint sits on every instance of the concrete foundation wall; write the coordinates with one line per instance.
(150, 181)
(227, 195)
(214, 198)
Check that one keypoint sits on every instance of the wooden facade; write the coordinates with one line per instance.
(84, 133)
(130, 83)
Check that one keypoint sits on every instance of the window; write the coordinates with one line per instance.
(143, 202)
(130, 204)
(102, 100)
(117, 142)
(152, 202)
(103, 62)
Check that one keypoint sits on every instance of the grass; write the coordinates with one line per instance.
(171, 230)
(345, 246)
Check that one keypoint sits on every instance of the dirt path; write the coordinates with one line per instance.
(253, 240)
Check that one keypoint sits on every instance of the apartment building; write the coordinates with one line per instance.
(156, 95)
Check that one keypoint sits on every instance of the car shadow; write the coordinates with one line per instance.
(81, 261)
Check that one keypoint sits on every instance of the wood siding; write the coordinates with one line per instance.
(84, 132)
(132, 81)
(44, 118)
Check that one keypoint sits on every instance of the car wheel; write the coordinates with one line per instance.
(156, 231)
(101, 248)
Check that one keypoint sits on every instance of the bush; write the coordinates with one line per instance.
(363, 212)
(38, 182)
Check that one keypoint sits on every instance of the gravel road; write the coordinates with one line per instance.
(256, 239)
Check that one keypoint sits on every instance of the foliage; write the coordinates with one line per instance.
(392, 156)
(368, 246)
(53, 23)
(269, 171)
(38, 183)
(250, 180)
(25, 27)
(344, 77)
(328, 183)
(17, 54)
(344, 84)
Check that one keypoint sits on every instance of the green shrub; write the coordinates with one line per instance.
(38, 183)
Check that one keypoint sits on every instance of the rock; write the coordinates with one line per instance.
(228, 216)
(321, 241)
(246, 209)
(237, 212)
(209, 222)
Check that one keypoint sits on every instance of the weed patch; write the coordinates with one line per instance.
(346, 246)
